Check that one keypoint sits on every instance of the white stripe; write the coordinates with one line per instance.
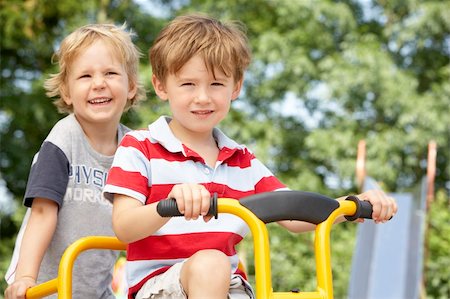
(241, 179)
(110, 190)
(131, 159)
(175, 172)
(224, 223)
(11, 271)
(140, 135)
(234, 260)
(142, 269)
(35, 158)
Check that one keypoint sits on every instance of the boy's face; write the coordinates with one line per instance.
(97, 85)
(198, 101)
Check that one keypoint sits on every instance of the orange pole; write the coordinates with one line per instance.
(431, 171)
(361, 164)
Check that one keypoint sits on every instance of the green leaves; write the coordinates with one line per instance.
(437, 263)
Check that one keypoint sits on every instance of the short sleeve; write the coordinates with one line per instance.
(49, 175)
(130, 172)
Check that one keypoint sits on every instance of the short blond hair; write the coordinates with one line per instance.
(121, 42)
(223, 46)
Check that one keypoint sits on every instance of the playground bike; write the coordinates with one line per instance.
(256, 210)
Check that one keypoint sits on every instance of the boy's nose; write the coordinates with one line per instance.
(202, 96)
(98, 82)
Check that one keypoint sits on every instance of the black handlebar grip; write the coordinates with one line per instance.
(363, 209)
(169, 208)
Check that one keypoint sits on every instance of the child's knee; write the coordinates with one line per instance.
(209, 262)
(206, 272)
(213, 259)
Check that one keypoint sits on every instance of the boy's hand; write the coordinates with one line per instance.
(384, 207)
(19, 287)
(193, 200)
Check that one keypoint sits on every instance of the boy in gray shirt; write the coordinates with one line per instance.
(96, 83)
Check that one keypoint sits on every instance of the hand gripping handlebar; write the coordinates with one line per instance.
(363, 209)
(169, 208)
(297, 205)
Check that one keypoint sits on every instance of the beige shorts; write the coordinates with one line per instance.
(168, 285)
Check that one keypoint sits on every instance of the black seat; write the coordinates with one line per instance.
(290, 205)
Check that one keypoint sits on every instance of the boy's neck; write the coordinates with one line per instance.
(101, 136)
(203, 144)
(209, 151)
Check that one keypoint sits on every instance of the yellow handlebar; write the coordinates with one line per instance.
(63, 283)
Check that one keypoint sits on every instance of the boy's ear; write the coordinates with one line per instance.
(237, 89)
(67, 100)
(65, 95)
(132, 90)
(160, 88)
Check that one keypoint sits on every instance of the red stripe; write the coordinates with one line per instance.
(133, 290)
(242, 273)
(225, 191)
(141, 145)
(152, 150)
(127, 179)
(241, 159)
(159, 192)
(268, 184)
(233, 157)
(162, 247)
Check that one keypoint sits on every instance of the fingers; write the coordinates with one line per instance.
(193, 200)
(18, 289)
(21, 292)
(207, 218)
(206, 201)
(384, 207)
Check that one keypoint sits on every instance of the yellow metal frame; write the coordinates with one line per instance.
(63, 283)
(263, 280)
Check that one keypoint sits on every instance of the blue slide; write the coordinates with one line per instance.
(388, 258)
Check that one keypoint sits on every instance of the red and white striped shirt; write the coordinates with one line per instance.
(148, 163)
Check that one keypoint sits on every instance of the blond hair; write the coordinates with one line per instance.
(121, 42)
(223, 46)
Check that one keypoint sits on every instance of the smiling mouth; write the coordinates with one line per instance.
(99, 101)
(203, 112)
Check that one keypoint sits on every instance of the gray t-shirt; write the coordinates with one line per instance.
(70, 172)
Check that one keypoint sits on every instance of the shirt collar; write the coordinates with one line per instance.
(161, 132)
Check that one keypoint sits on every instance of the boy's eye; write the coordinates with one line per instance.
(217, 84)
(187, 84)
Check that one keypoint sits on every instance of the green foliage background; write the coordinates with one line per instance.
(325, 74)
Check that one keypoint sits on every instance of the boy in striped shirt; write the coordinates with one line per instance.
(198, 65)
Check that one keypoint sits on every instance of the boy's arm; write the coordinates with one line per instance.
(297, 226)
(37, 237)
(192, 200)
(384, 208)
(133, 221)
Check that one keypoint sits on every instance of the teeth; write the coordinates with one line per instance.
(202, 112)
(99, 100)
